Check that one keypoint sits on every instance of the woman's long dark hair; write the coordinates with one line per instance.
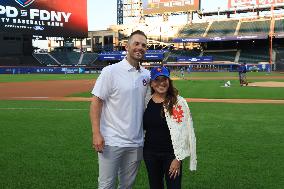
(171, 97)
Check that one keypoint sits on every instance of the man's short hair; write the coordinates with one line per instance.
(137, 32)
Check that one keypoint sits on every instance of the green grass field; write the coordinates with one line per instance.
(46, 144)
(213, 89)
(47, 77)
(44, 77)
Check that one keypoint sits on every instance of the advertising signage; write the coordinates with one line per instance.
(120, 56)
(52, 18)
(169, 6)
(232, 4)
(227, 38)
(195, 59)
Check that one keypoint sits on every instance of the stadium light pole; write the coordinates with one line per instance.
(160, 33)
(270, 50)
(271, 38)
(218, 13)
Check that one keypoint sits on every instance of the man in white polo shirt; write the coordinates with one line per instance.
(116, 115)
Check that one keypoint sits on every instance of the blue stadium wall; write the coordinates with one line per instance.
(43, 70)
(86, 70)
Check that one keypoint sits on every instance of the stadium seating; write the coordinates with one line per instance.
(221, 55)
(19, 61)
(89, 58)
(279, 26)
(189, 53)
(254, 55)
(261, 27)
(279, 58)
(222, 28)
(67, 58)
(280, 54)
(9, 61)
(193, 30)
(45, 59)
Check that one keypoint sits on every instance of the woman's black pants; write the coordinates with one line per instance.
(157, 165)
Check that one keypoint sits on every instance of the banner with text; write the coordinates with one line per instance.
(115, 57)
(50, 18)
(169, 6)
(236, 4)
(227, 38)
(195, 59)
(38, 70)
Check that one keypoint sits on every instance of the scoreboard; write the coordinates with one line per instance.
(169, 6)
(256, 3)
(52, 18)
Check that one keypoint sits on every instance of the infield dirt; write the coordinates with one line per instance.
(58, 90)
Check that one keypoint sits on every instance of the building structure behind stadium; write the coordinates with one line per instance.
(215, 41)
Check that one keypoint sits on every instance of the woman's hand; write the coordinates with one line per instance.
(174, 170)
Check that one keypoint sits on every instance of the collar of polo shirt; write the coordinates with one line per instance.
(128, 66)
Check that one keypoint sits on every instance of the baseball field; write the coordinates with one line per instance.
(45, 132)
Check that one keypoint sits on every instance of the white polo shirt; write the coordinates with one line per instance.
(122, 89)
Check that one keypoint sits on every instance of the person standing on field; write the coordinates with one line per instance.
(169, 133)
(243, 74)
(116, 114)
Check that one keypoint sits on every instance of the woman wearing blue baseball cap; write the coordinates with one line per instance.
(169, 132)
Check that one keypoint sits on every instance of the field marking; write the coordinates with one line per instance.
(88, 99)
(237, 101)
(56, 109)
(36, 97)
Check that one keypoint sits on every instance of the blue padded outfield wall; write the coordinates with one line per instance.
(83, 70)
(44, 70)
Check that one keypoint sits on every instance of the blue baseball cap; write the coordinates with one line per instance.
(159, 71)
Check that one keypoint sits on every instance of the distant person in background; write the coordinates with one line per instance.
(188, 70)
(169, 132)
(245, 82)
(240, 73)
(182, 72)
(243, 74)
(116, 114)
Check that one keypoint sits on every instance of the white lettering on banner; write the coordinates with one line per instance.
(5, 19)
(32, 22)
(66, 16)
(32, 19)
(55, 16)
(8, 11)
(24, 13)
(42, 15)
(34, 13)
(59, 24)
(46, 15)
(245, 3)
(242, 1)
(264, 2)
(19, 21)
(269, 2)
(18, 27)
